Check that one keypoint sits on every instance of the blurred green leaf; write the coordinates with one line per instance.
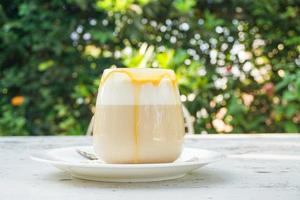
(45, 65)
(165, 58)
(101, 36)
(184, 6)
(290, 127)
(289, 96)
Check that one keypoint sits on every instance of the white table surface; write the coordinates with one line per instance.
(257, 167)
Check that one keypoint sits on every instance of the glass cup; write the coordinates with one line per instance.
(138, 116)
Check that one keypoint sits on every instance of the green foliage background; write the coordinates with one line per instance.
(237, 62)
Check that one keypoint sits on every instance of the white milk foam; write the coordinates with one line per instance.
(114, 93)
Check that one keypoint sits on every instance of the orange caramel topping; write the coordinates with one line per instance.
(142, 75)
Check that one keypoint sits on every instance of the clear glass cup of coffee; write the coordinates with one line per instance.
(138, 117)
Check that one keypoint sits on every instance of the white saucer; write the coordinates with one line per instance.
(67, 159)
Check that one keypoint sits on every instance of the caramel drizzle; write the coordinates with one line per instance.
(138, 81)
(136, 110)
(155, 79)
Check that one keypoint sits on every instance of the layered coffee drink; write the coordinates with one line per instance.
(138, 116)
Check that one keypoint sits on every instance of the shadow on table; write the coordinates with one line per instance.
(198, 179)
